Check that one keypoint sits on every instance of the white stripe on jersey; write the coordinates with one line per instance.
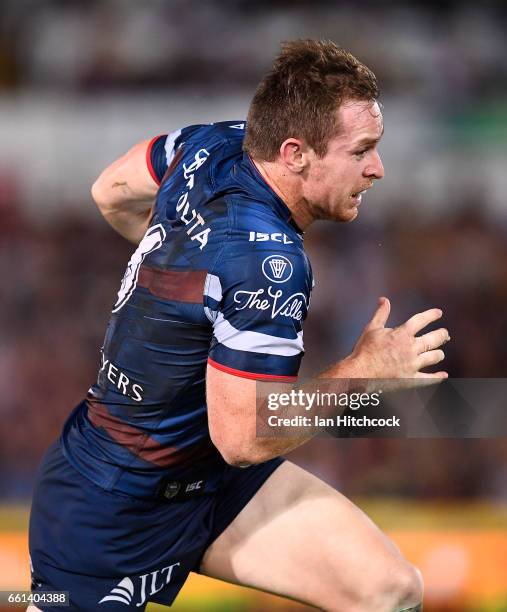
(169, 146)
(213, 287)
(255, 342)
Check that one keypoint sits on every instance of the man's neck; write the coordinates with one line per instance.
(288, 190)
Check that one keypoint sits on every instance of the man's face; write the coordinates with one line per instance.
(334, 183)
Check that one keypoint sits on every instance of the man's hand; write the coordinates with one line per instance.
(384, 352)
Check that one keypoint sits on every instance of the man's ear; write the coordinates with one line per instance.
(294, 154)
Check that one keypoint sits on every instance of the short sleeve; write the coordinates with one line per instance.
(258, 301)
(160, 153)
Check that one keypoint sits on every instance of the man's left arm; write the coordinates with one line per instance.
(125, 192)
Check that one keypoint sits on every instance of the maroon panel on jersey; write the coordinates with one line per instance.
(139, 443)
(179, 285)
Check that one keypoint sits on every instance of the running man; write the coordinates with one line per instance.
(158, 472)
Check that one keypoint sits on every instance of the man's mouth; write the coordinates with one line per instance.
(357, 195)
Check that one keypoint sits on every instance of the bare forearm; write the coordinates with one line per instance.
(397, 354)
(130, 224)
(126, 215)
(338, 378)
(381, 353)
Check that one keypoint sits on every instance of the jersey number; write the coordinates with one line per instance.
(152, 241)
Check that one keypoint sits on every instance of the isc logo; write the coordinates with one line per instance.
(194, 486)
(276, 237)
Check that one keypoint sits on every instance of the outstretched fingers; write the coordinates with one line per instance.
(421, 320)
(428, 345)
(430, 378)
(381, 315)
(432, 340)
(430, 358)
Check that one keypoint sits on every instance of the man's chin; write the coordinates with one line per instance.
(353, 214)
(346, 216)
(343, 214)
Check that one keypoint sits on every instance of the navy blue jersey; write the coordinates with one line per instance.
(220, 277)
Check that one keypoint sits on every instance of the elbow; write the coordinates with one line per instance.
(238, 458)
(241, 453)
(98, 195)
(103, 197)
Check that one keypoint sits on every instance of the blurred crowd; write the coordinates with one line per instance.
(447, 52)
(440, 65)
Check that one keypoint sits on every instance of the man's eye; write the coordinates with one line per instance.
(360, 154)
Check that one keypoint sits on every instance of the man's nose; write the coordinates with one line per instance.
(375, 168)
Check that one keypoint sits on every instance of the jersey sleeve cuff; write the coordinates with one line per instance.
(149, 165)
(251, 375)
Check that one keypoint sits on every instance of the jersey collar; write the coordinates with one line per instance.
(271, 197)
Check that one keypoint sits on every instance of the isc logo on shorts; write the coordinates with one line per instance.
(148, 584)
(194, 486)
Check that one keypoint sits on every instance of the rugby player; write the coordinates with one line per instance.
(158, 472)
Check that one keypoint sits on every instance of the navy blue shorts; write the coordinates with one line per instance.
(115, 552)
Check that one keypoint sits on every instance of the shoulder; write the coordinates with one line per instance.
(258, 298)
(193, 146)
(212, 135)
(247, 268)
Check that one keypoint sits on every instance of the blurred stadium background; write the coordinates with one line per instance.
(81, 81)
